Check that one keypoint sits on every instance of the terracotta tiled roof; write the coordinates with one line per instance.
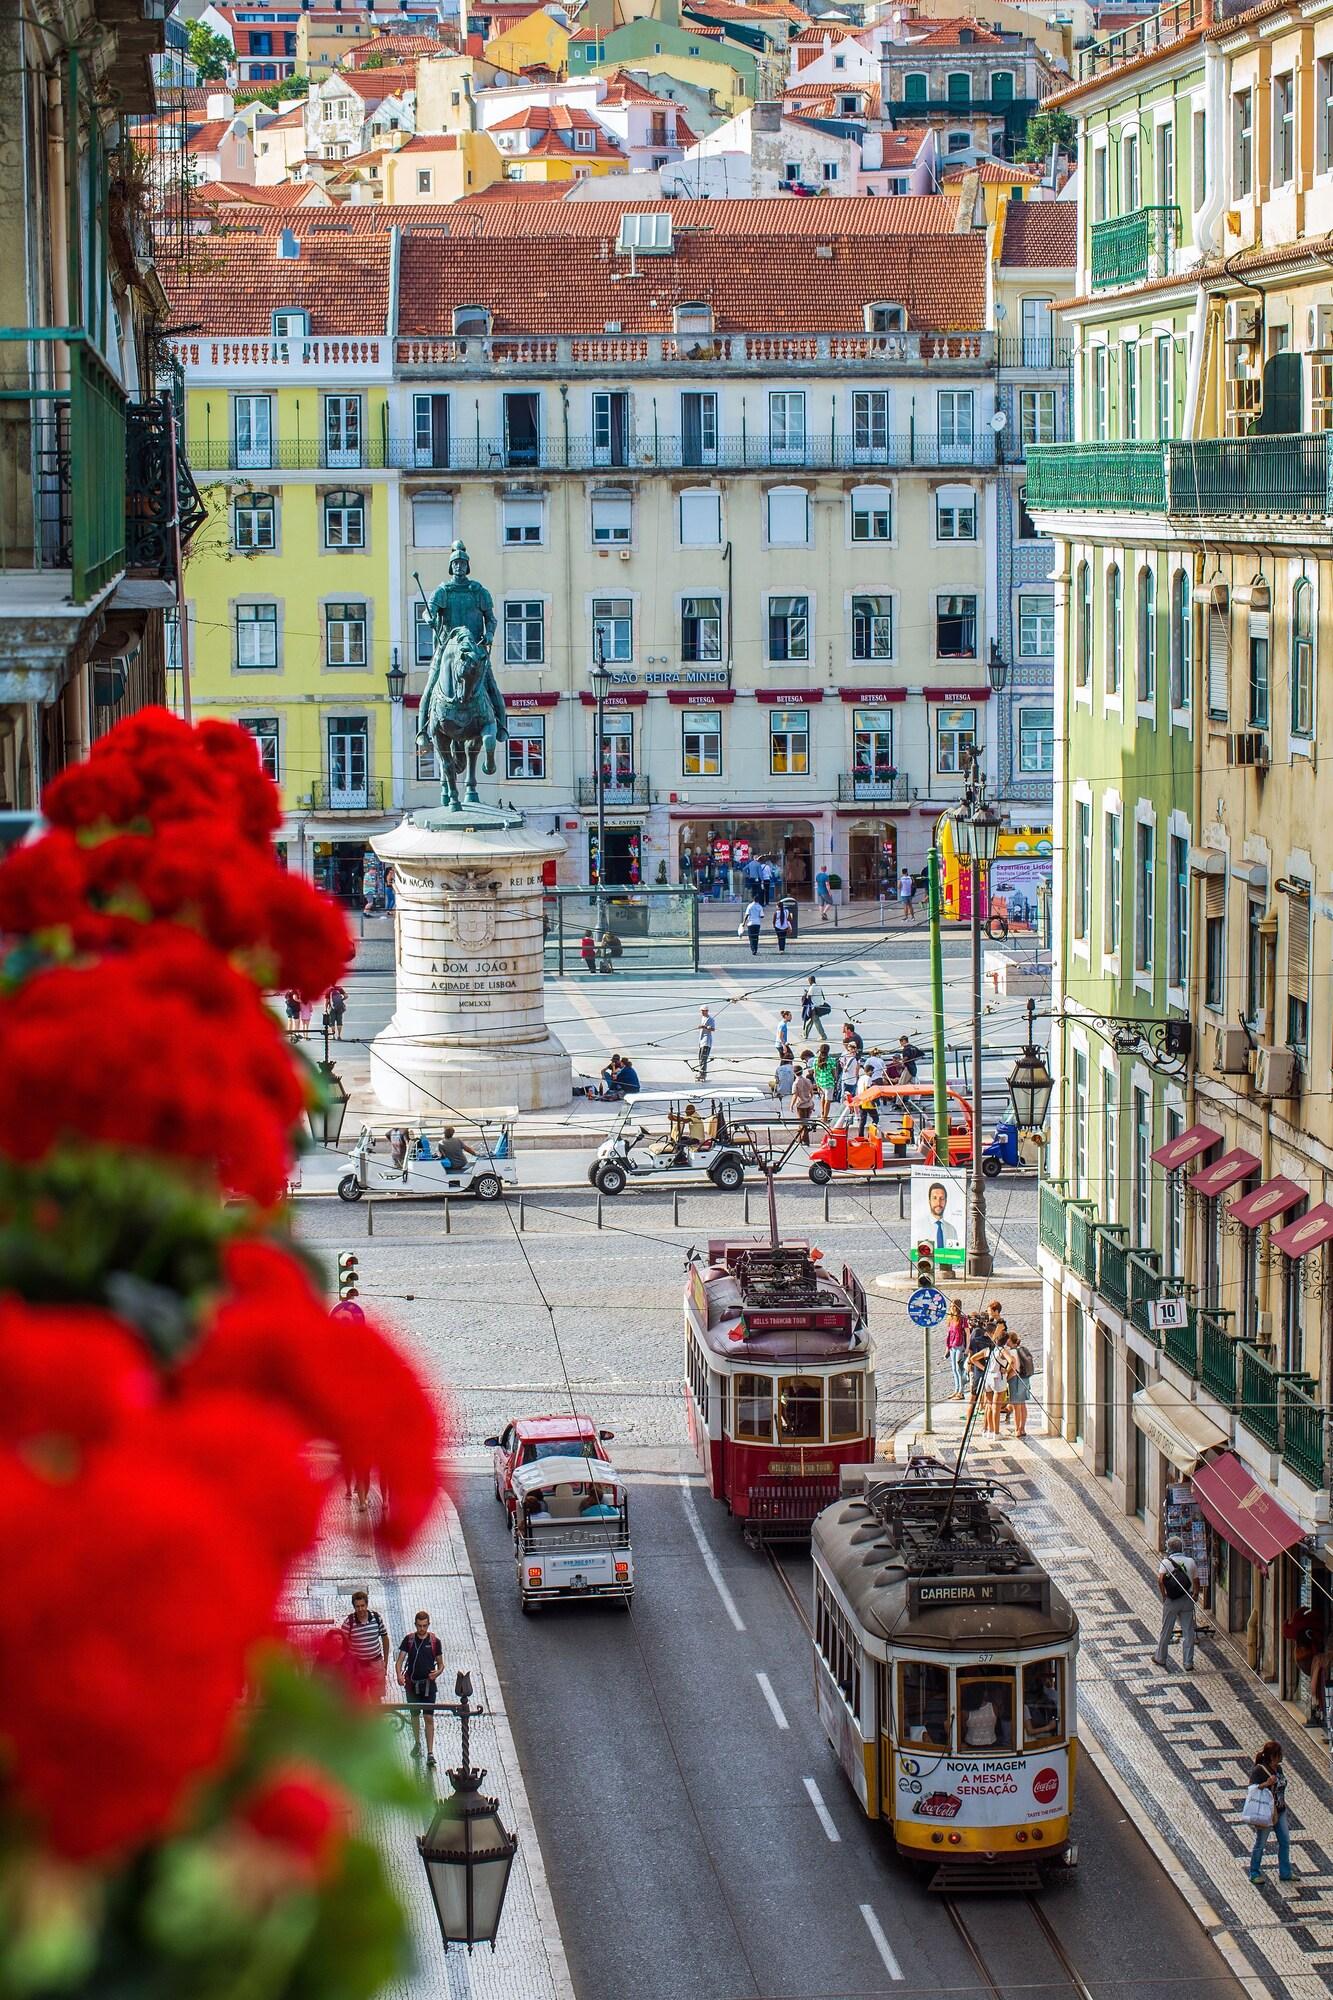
(377, 84)
(558, 146)
(547, 118)
(231, 286)
(491, 214)
(240, 194)
(946, 35)
(206, 138)
(523, 192)
(284, 120)
(428, 142)
(1251, 17)
(400, 47)
(1043, 235)
(684, 136)
(820, 99)
(819, 36)
(997, 173)
(622, 88)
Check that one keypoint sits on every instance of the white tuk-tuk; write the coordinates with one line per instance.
(407, 1161)
(699, 1133)
(571, 1531)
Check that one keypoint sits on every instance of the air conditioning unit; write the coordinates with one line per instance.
(1248, 747)
(1319, 328)
(1276, 1072)
(1242, 321)
(1231, 1051)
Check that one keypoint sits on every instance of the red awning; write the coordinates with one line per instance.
(1242, 1512)
(1237, 1165)
(624, 698)
(1187, 1146)
(872, 697)
(1307, 1232)
(1275, 1197)
(701, 697)
(530, 701)
(789, 697)
(956, 694)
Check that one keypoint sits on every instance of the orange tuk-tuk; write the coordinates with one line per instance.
(905, 1132)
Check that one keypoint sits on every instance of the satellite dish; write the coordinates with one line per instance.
(1001, 309)
(999, 421)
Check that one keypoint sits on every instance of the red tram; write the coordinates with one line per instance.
(780, 1385)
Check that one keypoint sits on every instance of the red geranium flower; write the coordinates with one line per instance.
(69, 1375)
(299, 1810)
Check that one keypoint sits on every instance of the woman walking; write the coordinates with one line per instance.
(995, 1385)
(1269, 1775)
(955, 1347)
(826, 1078)
(1020, 1379)
(781, 924)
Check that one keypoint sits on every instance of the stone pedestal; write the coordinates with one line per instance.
(469, 1029)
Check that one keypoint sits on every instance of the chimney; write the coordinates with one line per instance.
(221, 104)
(288, 247)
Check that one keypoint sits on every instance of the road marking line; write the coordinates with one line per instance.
(825, 1816)
(774, 1705)
(882, 1945)
(710, 1560)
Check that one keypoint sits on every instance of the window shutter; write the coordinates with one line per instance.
(1215, 896)
(1298, 947)
(1219, 659)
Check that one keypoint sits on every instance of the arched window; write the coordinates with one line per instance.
(344, 520)
(1182, 640)
(254, 522)
(1147, 635)
(1083, 613)
(1302, 659)
(1115, 628)
(916, 87)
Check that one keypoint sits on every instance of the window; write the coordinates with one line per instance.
(788, 517)
(872, 628)
(428, 764)
(1145, 891)
(800, 1409)
(1115, 629)
(1112, 883)
(349, 760)
(985, 1712)
(430, 430)
(870, 423)
(1141, 1109)
(342, 430)
(1298, 973)
(610, 427)
(1146, 636)
(1043, 1703)
(954, 421)
(612, 518)
(1214, 940)
(958, 142)
(789, 742)
(264, 730)
(526, 748)
(923, 1704)
(432, 521)
(290, 325)
(1080, 1106)
(524, 523)
(344, 520)
(254, 522)
(1166, 402)
(1101, 408)
(617, 747)
(1038, 331)
(1178, 912)
(425, 179)
(916, 87)
(844, 1406)
(830, 170)
(1256, 962)
(1166, 166)
(789, 628)
(522, 427)
(839, 1648)
(786, 424)
(1036, 739)
(955, 514)
(1130, 426)
(524, 631)
(791, 170)
(1302, 660)
(1242, 143)
(872, 514)
(1099, 184)
(256, 635)
(1284, 128)
(1036, 625)
(1182, 640)
(1083, 634)
(700, 519)
(701, 628)
(252, 431)
(956, 628)
(645, 229)
(958, 88)
(1082, 870)
(698, 426)
(1259, 670)
(1036, 412)
(584, 139)
(613, 622)
(1130, 183)
(1199, 155)
(872, 745)
(882, 316)
(345, 630)
(701, 743)
(1324, 115)
(171, 637)
(1110, 1144)
(1175, 1205)
(955, 741)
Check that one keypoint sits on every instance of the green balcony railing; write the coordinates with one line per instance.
(1240, 477)
(1129, 248)
(1051, 1218)
(1181, 1344)
(62, 458)
(1257, 1400)
(1304, 1431)
(1112, 1255)
(1082, 1254)
(1145, 1288)
(1217, 1358)
(1121, 478)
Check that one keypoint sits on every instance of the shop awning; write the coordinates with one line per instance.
(1275, 1197)
(1186, 1146)
(1307, 1232)
(872, 697)
(1237, 1165)
(1178, 1427)
(1243, 1513)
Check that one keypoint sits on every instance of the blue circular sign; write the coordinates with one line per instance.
(927, 1307)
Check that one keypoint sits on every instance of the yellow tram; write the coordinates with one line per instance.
(944, 1673)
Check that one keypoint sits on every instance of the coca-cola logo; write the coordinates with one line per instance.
(939, 1805)
(1045, 1786)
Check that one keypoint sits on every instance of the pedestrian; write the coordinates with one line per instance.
(814, 1006)
(588, 952)
(1269, 1776)
(1020, 1381)
(850, 1038)
(367, 1645)
(826, 1077)
(955, 1347)
(1178, 1587)
(784, 1034)
(995, 1385)
(979, 1346)
(781, 925)
(753, 922)
(292, 1005)
(907, 894)
(823, 893)
(608, 948)
(803, 1100)
(909, 1055)
(417, 1667)
(337, 1009)
(767, 896)
(307, 1015)
(707, 1029)
(783, 1078)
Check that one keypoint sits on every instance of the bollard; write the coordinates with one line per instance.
(448, 1225)
(522, 1214)
(747, 1208)
(599, 1211)
(902, 1201)
(826, 1195)
(675, 1208)
(370, 1218)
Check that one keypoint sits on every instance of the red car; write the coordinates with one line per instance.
(531, 1438)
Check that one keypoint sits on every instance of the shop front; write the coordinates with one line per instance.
(714, 854)
(351, 872)
(1260, 1568)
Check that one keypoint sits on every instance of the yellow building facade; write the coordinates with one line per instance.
(538, 39)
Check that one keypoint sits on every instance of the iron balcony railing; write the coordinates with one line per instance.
(1145, 1289)
(62, 448)
(367, 796)
(1287, 476)
(616, 792)
(1051, 1218)
(1049, 352)
(1129, 248)
(860, 788)
(1123, 478)
(1305, 1427)
(1154, 31)
(1217, 1357)
(1082, 1242)
(1112, 1271)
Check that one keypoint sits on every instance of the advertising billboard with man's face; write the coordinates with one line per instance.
(939, 1213)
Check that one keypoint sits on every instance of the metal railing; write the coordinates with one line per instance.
(1035, 350)
(1304, 1435)
(62, 458)
(1257, 1395)
(1128, 477)
(1128, 248)
(657, 929)
(1112, 1267)
(861, 788)
(1145, 1288)
(1217, 1357)
(1082, 1242)
(1051, 1218)
(616, 792)
(1181, 1344)
(1208, 478)
(365, 797)
(1154, 31)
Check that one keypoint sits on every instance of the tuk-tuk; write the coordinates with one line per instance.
(407, 1161)
(571, 1531)
(902, 1132)
(712, 1144)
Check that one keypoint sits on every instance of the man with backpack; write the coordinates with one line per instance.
(1178, 1583)
(420, 1658)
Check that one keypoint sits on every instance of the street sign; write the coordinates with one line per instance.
(927, 1307)
(1163, 1313)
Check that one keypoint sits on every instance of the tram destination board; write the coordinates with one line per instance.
(817, 1319)
(948, 1593)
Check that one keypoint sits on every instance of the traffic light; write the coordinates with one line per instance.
(348, 1281)
(925, 1264)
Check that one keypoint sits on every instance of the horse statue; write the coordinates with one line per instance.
(458, 716)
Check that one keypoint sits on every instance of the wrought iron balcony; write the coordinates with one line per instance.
(1281, 477)
(1154, 31)
(616, 792)
(367, 796)
(150, 505)
(1051, 1218)
(865, 789)
(1046, 351)
(62, 442)
(1129, 248)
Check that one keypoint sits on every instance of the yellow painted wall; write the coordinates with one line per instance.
(705, 73)
(442, 78)
(535, 39)
(474, 163)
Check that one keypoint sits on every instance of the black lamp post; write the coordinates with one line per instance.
(1031, 1082)
(325, 1116)
(601, 684)
(997, 668)
(976, 830)
(466, 1852)
(396, 678)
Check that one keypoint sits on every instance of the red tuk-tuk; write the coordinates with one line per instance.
(905, 1132)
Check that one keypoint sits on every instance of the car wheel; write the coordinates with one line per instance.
(488, 1187)
(821, 1173)
(349, 1188)
(527, 1607)
(729, 1175)
(612, 1178)
(594, 1170)
(990, 1166)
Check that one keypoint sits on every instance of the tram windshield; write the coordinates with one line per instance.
(1043, 1701)
(754, 1408)
(923, 1704)
(844, 1405)
(986, 1710)
(801, 1409)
